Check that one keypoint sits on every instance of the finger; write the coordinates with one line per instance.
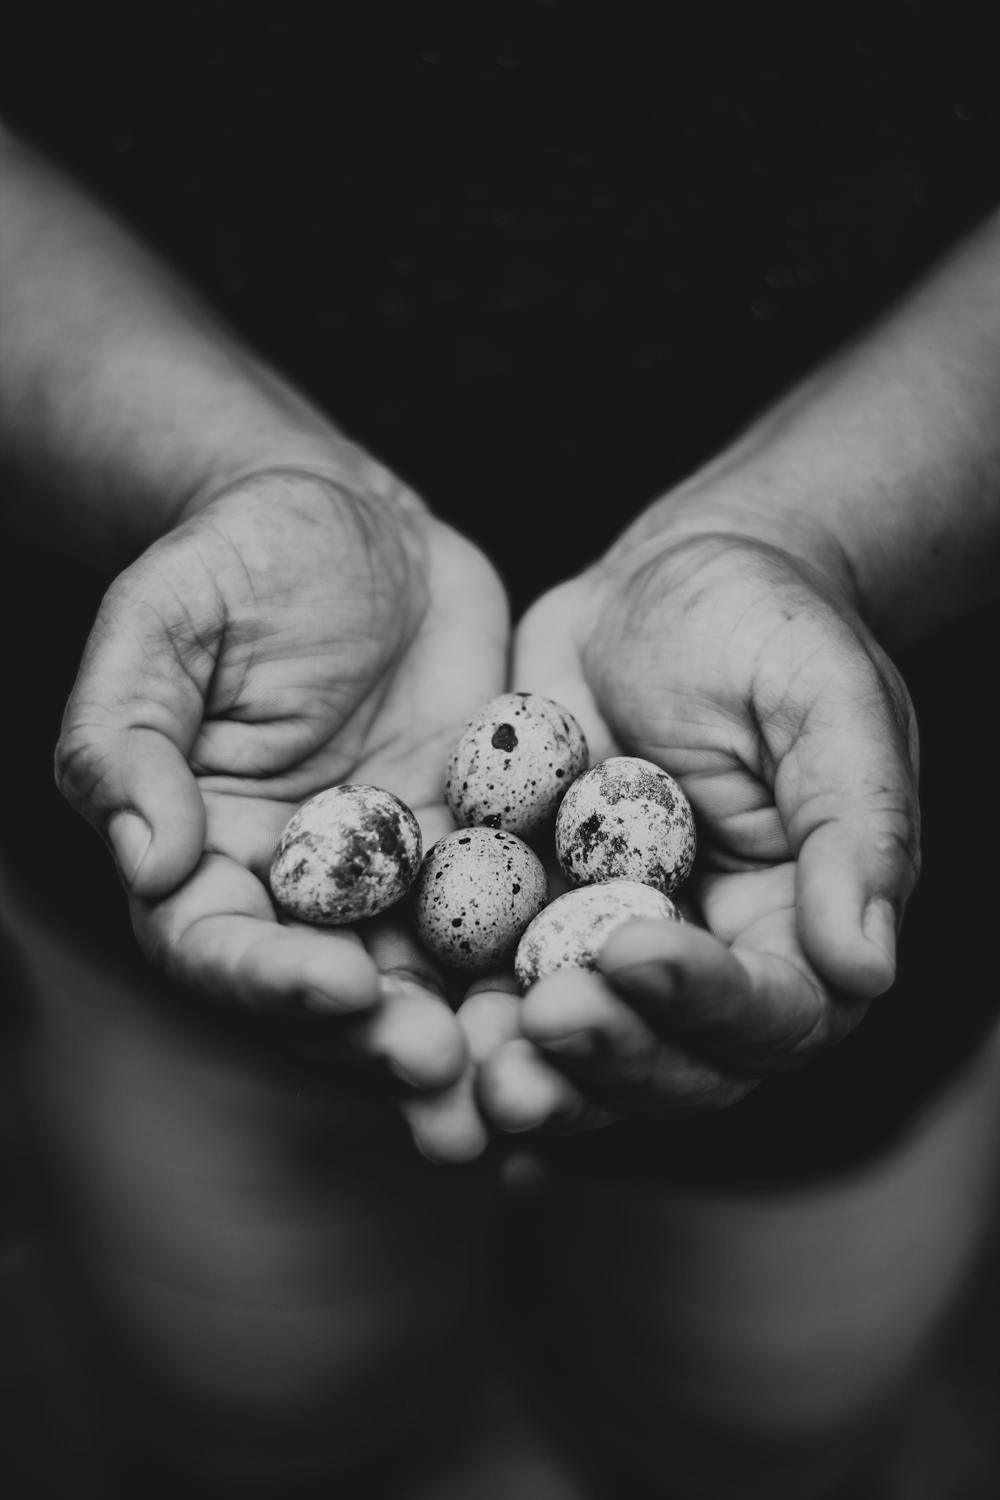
(447, 1125)
(489, 1017)
(611, 1051)
(546, 660)
(414, 1030)
(750, 1010)
(121, 758)
(847, 790)
(519, 1090)
(414, 1034)
(218, 934)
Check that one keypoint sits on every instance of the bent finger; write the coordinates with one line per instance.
(128, 725)
(520, 1091)
(612, 1052)
(846, 788)
(751, 1009)
(218, 935)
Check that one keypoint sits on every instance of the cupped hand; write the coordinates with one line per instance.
(295, 630)
(746, 672)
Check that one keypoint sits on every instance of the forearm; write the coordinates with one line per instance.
(121, 396)
(884, 465)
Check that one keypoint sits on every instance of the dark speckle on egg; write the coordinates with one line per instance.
(504, 737)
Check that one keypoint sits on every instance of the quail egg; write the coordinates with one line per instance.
(513, 763)
(476, 892)
(627, 819)
(346, 854)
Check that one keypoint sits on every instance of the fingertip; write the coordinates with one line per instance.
(488, 1019)
(520, 1091)
(668, 947)
(563, 1004)
(320, 970)
(157, 831)
(418, 1037)
(356, 991)
(879, 925)
(848, 934)
(130, 837)
(447, 1128)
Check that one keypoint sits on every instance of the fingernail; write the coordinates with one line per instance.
(320, 1002)
(879, 927)
(404, 1075)
(653, 979)
(130, 838)
(523, 1126)
(574, 1044)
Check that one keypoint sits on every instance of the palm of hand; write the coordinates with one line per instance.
(346, 653)
(287, 636)
(745, 676)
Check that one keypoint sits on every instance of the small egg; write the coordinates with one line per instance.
(512, 764)
(570, 932)
(476, 892)
(626, 819)
(346, 854)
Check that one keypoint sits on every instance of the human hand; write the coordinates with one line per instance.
(296, 629)
(745, 670)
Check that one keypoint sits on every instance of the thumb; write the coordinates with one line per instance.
(847, 792)
(127, 729)
(545, 659)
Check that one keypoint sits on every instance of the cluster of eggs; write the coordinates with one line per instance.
(519, 787)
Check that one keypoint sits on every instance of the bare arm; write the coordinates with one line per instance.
(883, 467)
(121, 395)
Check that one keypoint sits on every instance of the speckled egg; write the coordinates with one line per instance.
(570, 932)
(477, 890)
(346, 854)
(625, 819)
(512, 764)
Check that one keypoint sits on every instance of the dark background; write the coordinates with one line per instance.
(544, 256)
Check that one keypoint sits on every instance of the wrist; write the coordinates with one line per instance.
(736, 505)
(317, 452)
(876, 474)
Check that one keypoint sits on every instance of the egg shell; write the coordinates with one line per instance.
(346, 854)
(570, 932)
(626, 819)
(513, 763)
(477, 890)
